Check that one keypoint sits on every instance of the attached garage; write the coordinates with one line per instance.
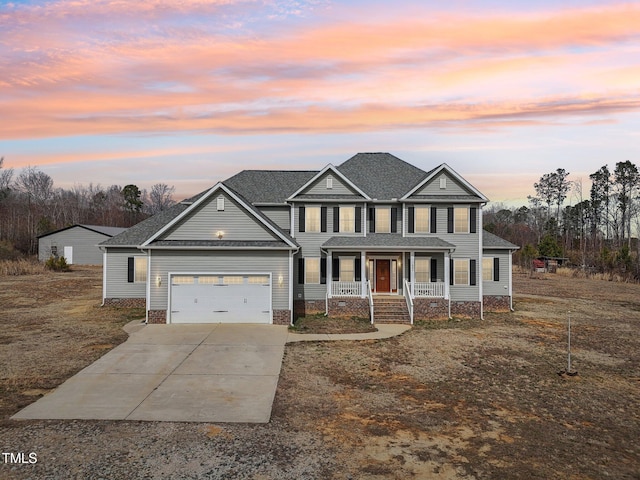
(220, 298)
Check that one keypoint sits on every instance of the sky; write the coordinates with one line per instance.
(189, 92)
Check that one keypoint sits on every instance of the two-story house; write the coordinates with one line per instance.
(373, 237)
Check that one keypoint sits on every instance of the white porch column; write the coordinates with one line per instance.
(447, 274)
(412, 266)
(363, 273)
(329, 274)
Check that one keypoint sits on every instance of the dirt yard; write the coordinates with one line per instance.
(447, 400)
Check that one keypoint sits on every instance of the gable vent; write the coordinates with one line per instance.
(220, 203)
(443, 183)
(329, 183)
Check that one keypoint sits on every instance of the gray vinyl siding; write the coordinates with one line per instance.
(83, 241)
(234, 221)
(117, 274)
(498, 288)
(275, 262)
(319, 187)
(433, 187)
(278, 215)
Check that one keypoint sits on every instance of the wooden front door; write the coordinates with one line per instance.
(383, 275)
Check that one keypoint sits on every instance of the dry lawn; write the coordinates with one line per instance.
(447, 400)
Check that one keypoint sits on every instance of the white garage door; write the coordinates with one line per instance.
(213, 298)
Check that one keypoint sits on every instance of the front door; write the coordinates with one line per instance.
(383, 277)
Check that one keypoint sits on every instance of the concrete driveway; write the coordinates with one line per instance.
(176, 373)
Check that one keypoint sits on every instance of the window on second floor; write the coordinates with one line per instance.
(347, 219)
(422, 219)
(461, 220)
(383, 219)
(312, 219)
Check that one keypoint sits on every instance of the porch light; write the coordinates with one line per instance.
(280, 280)
(219, 234)
(158, 281)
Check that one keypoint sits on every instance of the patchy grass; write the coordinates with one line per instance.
(321, 324)
(52, 327)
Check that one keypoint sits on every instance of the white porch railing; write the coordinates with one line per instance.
(409, 299)
(346, 289)
(370, 300)
(427, 289)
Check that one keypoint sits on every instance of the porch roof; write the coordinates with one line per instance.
(387, 241)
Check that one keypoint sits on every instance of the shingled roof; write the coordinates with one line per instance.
(268, 186)
(491, 241)
(381, 175)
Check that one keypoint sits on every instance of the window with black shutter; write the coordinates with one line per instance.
(496, 269)
(301, 221)
(323, 219)
(358, 216)
(131, 268)
(411, 219)
(433, 219)
(449, 219)
(336, 219)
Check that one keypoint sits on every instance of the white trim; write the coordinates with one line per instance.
(239, 247)
(453, 173)
(479, 270)
(319, 175)
(205, 197)
(329, 278)
(363, 271)
(291, 287)
(104, 276)
(148, 299)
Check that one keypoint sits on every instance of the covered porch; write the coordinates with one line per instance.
(387, 265)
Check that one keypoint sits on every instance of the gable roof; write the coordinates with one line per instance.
(454, 174)
(268, 186)
(337, 173)
(248, 206)
(381, 175)
(107, 231)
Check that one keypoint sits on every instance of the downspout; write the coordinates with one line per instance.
(104, 274)
(479, 269)
(291, 301)
(511, 281)
(148, 293)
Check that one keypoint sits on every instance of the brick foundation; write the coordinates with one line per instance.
(157, 316)
(496, 303)
(302, 308)
(430, 309)
(465, 309)
(282, 317)
(125, 302)
(349, 307)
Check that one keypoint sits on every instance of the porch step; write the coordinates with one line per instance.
(390, 310)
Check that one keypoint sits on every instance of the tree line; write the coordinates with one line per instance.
(31, 205)
(593, 230)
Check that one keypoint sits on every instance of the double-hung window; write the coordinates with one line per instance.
(461, 220)
(461, 271)
(347, 269)
(312, 219)
(137, 269)
(312, 270)
(383, 219)
(421, 219)
(422, 273)
(487, 269)
(347, 219)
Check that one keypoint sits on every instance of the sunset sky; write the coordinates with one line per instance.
(189, 92)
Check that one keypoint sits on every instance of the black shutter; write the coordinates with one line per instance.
(394, 220)
(335, 269)
(472, 272)
(451, 271)
(357, 266)
(496, 269)
(323, 270)
(411, 220)
(472, 219)
(434, 270)
(434, 220)
(301, 269)
(323, 219)
(449, 219)
(358, 219)
(336, 219)
(301, 219)
(130, 269)
(372, 220)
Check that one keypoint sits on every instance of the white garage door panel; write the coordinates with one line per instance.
(220, 299)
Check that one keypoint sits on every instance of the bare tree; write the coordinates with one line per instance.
(160, 198)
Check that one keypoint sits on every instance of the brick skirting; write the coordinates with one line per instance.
(157, 316)
(125, 302)
(496, 303)
(282, 317)
(430, 309)
(465, 309)
(302, 308)
(349, 307)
